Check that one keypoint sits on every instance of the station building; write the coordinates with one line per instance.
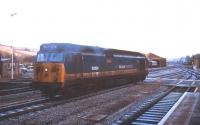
(156, 61)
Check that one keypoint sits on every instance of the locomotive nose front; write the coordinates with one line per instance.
(48, 73)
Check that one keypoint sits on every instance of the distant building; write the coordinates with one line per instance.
(196, 61)
(5, 68)
(155, 60)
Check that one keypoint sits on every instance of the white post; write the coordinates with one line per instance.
(12, 64)
(13, 14)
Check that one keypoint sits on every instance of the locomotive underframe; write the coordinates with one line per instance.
(66, 88)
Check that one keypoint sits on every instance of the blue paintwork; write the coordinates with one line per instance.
(81, 58)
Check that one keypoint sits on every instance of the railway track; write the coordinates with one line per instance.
(170, 75)
(10, 85)
(156, 70)
(15, 90)
(44, 103)
(153, 110)
(176, 72)
(21, 108)
(158, 111)
(164, 72)
(195, 75)
(14, 87)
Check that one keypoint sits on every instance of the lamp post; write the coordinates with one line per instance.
(12, 15)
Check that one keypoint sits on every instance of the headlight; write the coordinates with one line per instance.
(45, 69)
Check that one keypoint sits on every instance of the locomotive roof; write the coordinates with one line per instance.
(70, 48)
(123, 52)
(85, 49)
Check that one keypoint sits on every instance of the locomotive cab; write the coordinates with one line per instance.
(49, 71)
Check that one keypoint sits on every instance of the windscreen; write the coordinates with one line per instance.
(50, 57)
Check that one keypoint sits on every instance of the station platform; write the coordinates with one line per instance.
(187, 112)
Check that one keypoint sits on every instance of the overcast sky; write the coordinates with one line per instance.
(169, 28)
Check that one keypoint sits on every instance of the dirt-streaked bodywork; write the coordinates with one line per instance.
(82, 63)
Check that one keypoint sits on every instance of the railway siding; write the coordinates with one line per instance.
(102, 104)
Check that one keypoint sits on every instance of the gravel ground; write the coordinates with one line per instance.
(73, 113)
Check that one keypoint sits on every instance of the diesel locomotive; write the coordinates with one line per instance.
(58, 66)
